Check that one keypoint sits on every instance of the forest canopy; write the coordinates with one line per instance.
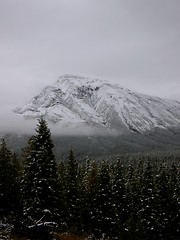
(136, 199)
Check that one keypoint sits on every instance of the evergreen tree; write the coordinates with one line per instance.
(105, 224)
(73, 211)
(40, 181)
(174, 185)
(147, 213)
(132, 202)
(90, 196)
(9, 191)
(165, 204)
(119, 199)
(62, 195)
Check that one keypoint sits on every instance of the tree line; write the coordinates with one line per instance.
(119, 200)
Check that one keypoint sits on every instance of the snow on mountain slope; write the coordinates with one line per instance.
(75, 101)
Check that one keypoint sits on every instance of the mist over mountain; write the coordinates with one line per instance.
(86, 106)
(95, 118)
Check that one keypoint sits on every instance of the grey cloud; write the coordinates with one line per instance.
(133, 42)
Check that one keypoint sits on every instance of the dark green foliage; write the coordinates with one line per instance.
(103, 207)
(40, 180)
(62, 195)
(174, 188)
(72, 193)
(147, 212)
(9, 189)
(119, 199)
(90, 196)
(168, 208)
(134, 198)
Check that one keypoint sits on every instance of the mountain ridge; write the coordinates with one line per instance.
(76, 102)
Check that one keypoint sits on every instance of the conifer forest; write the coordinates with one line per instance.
(127, 199)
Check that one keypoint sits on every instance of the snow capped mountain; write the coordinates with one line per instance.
(79, 102)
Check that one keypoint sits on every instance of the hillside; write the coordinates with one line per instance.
(80, 105)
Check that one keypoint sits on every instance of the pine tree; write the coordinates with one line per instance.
(9, 191)
(174, 185)
(164, 204)
(40, 181)
(104, 211)
(119, 199)
(90, 196)
(148, 210)
(62, 195)
(132, 202)
(73, 211)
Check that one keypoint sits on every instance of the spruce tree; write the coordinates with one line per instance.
(147, 212)
(62, 195)
(104, 211)
(91, 189)
(174, 185)
(165, 204)
(73, 213)
(40, 181)
(132, 202)
(119, 199)
(9, 191)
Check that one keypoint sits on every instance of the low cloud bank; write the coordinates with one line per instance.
(11, 122)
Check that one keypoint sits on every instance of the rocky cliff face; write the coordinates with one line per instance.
(79, 102)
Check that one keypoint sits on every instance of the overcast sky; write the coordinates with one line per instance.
(133, 42)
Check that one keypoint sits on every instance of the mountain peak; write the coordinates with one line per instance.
(78, 102)
(78, 80)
